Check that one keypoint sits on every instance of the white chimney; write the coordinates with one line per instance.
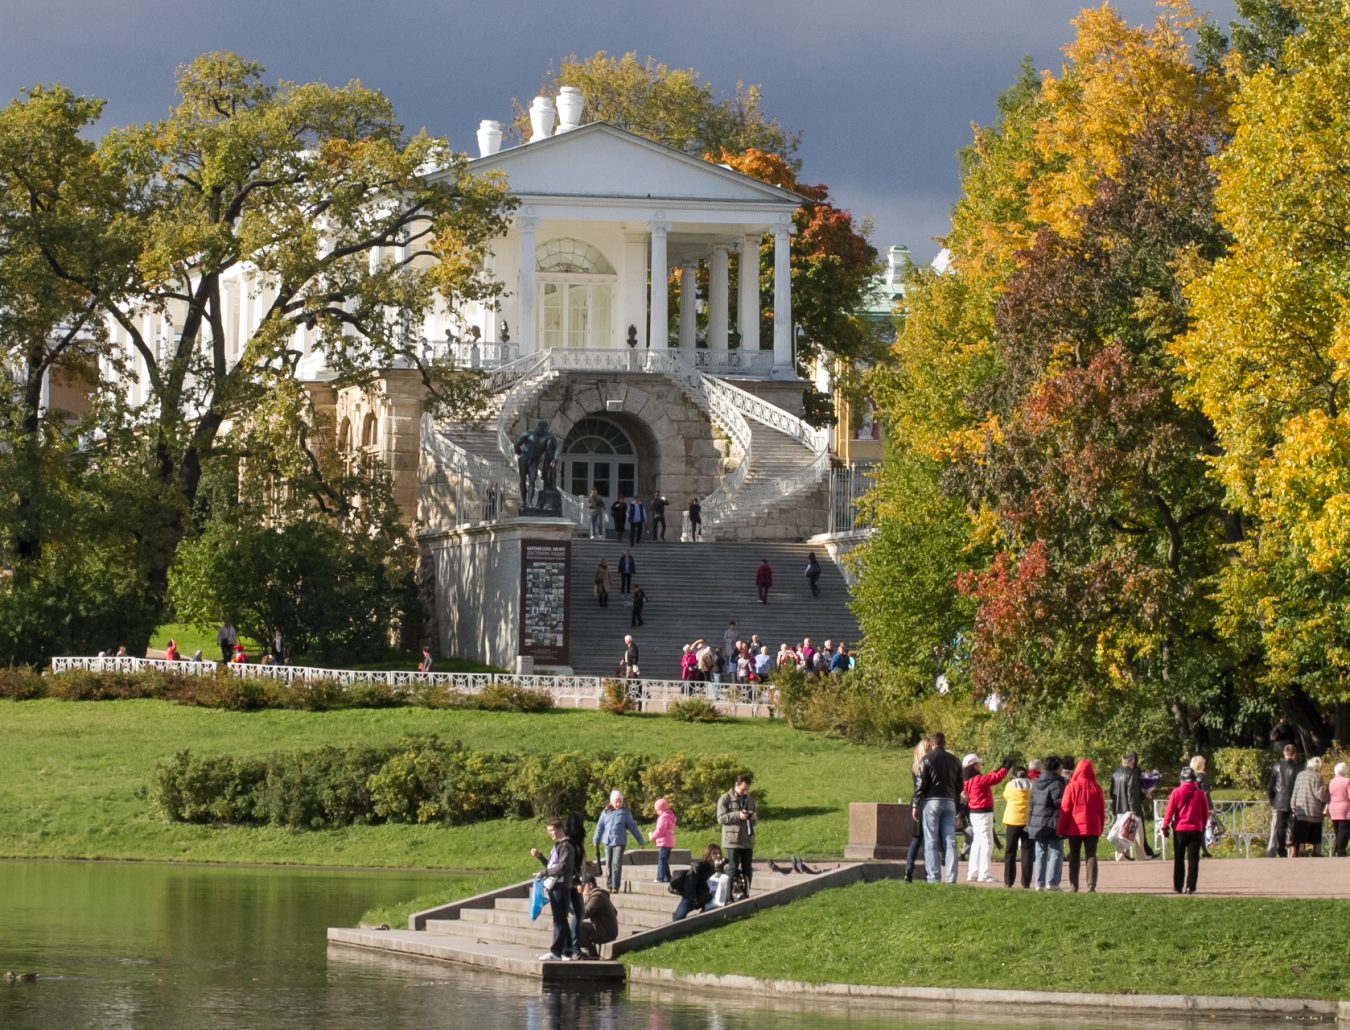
(569, 108)
(542, 115)
(489, 137)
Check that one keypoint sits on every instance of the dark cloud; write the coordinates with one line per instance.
(884, 92)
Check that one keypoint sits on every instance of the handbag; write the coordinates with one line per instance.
(678, 883)
(549, 882)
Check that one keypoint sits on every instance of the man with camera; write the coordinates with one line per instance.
(737, 815)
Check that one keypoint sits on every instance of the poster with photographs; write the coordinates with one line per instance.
(543, 600)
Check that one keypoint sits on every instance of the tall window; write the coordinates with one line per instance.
(576, 295)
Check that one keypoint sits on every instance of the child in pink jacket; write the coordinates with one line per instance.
(664, 839)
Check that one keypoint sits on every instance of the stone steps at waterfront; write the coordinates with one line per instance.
(693, 590)
(494, 930)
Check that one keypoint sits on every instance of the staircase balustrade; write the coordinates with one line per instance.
(729, 406)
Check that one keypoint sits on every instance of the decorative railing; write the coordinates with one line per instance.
(745, 362)
(727, 405)
(489, 480)
(847, 485)
(755, 699)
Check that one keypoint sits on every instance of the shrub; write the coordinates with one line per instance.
(615, 699)
(706, 779)
(1243, 768)
(476, 786)
(21, 683)
(795, 690)
(504, 697)
(550, 786)
(208, 790)
(320, 789)
(409, 787)
(622, 772)
(694, 709)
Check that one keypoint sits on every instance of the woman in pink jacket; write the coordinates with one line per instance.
(1338, 808)
(1187, 813)
(1082, 817)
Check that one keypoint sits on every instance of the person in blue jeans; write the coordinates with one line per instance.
(611, 833)
(937, 787)
(1042, 826)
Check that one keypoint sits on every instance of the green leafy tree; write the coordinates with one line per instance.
(672, 105)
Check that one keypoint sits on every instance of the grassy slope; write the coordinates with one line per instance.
(77, 776)
(897, 934)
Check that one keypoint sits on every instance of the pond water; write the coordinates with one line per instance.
(164, 947)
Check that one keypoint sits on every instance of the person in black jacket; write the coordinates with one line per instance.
(1042, 826)
(1280, 794)
(1127, 795)
(695, 895)
(935, 796)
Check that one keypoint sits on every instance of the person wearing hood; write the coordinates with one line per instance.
(1187, 813)
(616, 822)
(1082, 817)
(663, 836)
(979, 788)
(1043, 825)
(1016, 806)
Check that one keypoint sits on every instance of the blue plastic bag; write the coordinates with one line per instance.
(538, 898)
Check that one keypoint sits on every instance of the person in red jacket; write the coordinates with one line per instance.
(1082, 816)
(764, 580)
(979, 788)
(1187, 813)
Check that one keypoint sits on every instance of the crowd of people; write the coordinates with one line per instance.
(580, 893)
(1048, 803)
(748, 660)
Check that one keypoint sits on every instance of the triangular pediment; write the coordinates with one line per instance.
(601, 161)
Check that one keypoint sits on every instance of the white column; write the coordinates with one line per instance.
(658, 332)
(747, 319)
(718, 278)
(526, 330)
(688, 311)
(782, 300)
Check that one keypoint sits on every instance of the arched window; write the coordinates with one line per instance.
(344, 435)
(569, 256)
(370, 430)
(599, 454)
(576, 295)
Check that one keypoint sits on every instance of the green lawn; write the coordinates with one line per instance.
(896, 934)
(76, 777)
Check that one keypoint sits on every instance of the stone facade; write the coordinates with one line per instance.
(678, 453)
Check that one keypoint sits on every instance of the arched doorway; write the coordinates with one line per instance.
(599, 454)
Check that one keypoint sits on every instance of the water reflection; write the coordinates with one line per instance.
(165, 947)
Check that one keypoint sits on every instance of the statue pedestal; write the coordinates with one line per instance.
(878, 830)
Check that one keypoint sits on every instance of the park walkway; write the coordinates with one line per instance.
(1313, 878)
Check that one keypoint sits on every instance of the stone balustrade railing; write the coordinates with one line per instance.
(727, 405)
(650, 695)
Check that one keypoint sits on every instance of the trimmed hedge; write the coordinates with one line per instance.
(422, 780)
(233, 693)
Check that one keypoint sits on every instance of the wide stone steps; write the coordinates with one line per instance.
(693, 590)
(481, 931)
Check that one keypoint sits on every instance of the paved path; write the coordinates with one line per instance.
(1229, 877)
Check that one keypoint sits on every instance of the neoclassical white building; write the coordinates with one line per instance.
(652, 382)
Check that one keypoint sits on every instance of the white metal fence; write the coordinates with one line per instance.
(650, 695)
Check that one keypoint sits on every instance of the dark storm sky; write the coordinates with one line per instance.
(884, 91)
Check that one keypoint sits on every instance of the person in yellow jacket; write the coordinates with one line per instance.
(1017, 805)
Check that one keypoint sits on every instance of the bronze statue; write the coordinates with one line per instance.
(537, 459)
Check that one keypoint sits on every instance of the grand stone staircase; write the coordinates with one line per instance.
(776, 491)
(693, 590)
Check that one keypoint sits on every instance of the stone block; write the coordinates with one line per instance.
(878, 830)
